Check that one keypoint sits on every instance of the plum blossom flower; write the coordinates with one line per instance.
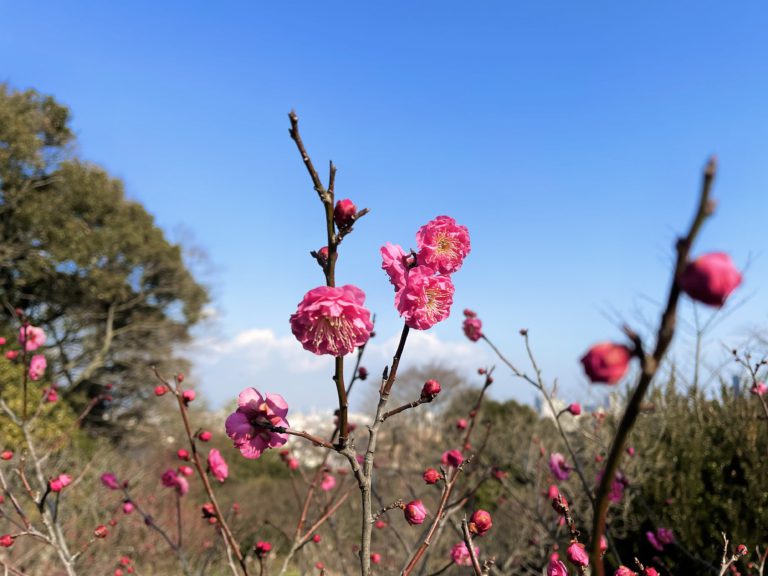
(31, 337)
(344, 213)
(461, 424)
(480, 522)
(624, 571)
(710, 278)
(556, 568)
(577, 555)
(472, 326)
(425, 299)
(250, 426)
(759, 389)
(328, 482)
(37, 366)
(606, 362)
(452, 458)
(171, 479)
(415, 512)
(443, 244)
(60, 482)
(431, 476)
(558, 466)
(331, 320)
(460, 554)
(665, 536)
(217, 465)
(110, 481)
(616, 492)
(395, 262)
(262, 549)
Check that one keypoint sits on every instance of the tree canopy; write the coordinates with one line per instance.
(91, 267)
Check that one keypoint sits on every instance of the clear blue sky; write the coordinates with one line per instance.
(568, 137)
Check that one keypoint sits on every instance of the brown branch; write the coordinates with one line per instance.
(650, 365)
(470, 547)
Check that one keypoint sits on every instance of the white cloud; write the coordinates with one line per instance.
(259, 357)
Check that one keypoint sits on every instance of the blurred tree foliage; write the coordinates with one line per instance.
(89, 266)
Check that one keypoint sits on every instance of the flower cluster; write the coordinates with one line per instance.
(423, 286)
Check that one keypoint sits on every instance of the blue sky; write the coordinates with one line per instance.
(568, 137)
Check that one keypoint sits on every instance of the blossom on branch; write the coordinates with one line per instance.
(251, 426)
(443, 244)
(606, 362)
(332, 320)
(460, 554)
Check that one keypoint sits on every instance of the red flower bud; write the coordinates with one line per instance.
(188, 396)
(205, 436)
(101, 531)
(575, 408)
(344, 213)
(480, 522)
(431, 476)
(430, 389)
(606, 362)
(710, 278)
(6, 540)
(160, 390)
(262, 549)
(415, 512)
(6, 455)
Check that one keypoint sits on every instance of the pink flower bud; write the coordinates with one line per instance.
(460, 554)
(37, 366)
(188, 396)
(6, 540)
(101, 531)
(262, 549)
(110, 481)
(127, 507)
(208, 511)
(60, 482)
(344, 213)
(651, 572)
(759, 389)
(362, 373)
(461, 424)
(556, 568)
(480, 522)
(322, 255)
(575, 409)
(380, 524)
(180, 377)
(2, 341)
(430, 389)
(624, 571)
(469, 313)
(205, 436)
(6, 455)
(606, 362)
(217, 465)
(316, 538)
(186, 470)
(415, 512)
(577, 555)
(452, 458)
(603, 544)
(293, 463)
(631, 450)
(431, 476)
(12, 354)
(182, 454)
(710, 278)
(473, 328)
(741, 550)
(375, 558)
(160, 390)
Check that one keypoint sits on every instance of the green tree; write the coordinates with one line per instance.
(86, 264)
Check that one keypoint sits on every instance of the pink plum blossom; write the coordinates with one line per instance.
(395, 262)
(452, 458)
(415, 512)
(558, 466)
(332, 320)
(443, 244)
(171, 479)
(110, 481)
(577, 555)
(710, 278)
(426, 298)
(472, 326)
(37, 366)
(624, 571)
(556, 568)
(217, 465)
(250, 425)
(328, 482)
(759, 389)
(606, 362)
(31, 337)
(60, 482)
(460, 554)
